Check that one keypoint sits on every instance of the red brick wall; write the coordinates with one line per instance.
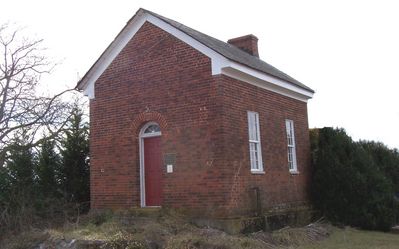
(278, 188)
(155, 78)
(159, 78)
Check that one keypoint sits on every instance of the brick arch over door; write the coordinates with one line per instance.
(145, 117)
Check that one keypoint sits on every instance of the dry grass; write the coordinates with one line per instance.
(173, 232)
(294, 237)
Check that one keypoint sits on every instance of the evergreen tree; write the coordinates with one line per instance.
(75, 163)
(348, 185)
(18, 183)
(386, 159)
(48, 169)
(20, 165)
(4, 188)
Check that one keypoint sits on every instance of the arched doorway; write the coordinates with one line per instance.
(151, 173)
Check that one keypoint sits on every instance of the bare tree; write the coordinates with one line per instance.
(22, 109)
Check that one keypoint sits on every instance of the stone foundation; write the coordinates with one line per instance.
(267, 222)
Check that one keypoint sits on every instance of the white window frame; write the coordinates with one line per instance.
(291, 147)
(255, 148)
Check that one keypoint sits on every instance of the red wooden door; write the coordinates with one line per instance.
(153, 171)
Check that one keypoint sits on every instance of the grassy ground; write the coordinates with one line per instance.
(171, 231)
(356, 239)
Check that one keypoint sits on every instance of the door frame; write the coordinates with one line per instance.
(142, 136)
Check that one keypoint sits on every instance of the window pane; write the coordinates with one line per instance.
(256, 164)
(254, 155)
(289, 124)
(152, 129)
(254, 141)
(256, 127)
(290, 158)
(252, 126)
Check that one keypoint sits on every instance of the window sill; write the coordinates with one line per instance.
(294, 172)
(257, 172)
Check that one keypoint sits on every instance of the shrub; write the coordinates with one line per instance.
(349, 186)
(387, 161)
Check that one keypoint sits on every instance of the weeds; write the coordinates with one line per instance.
(122, 230)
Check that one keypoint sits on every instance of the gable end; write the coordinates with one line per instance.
(220, 64)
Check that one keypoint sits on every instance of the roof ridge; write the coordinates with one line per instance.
(230, 51)
(225, 49)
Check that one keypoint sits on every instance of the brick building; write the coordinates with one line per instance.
(182, 120)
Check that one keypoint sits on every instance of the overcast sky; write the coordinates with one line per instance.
(347, 51)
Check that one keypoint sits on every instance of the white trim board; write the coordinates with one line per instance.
(220, 64)
(266, 82)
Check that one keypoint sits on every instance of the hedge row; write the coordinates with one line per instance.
(354, 183)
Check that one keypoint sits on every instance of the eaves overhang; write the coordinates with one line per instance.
(220, 64)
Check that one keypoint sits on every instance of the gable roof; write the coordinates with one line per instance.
(252, 68)
(231, 52)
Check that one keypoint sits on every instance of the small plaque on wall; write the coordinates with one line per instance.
(169, 158)
(169, 168)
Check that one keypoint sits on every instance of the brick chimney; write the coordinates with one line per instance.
(247, 43)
